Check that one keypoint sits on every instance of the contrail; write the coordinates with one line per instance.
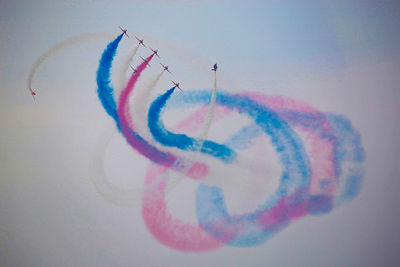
(309, 182)
(194, 170)
(139, 102)
(70, 42)
(118, 196)
(208, 119)
(210, 113)
(110, 192)
(182, 141)
(163, 225)
(124, 67)
(123, 107)
(104, 89)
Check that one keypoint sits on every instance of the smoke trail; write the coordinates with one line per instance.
(104, 89)
(210, 113)
(189, 237)
(110, 192)
(274, 215)
(225, 153)
(140, 100)
(182, 141)
(105, 92)
(198, 145)
(123, 68)
(253, 229)
(58, 47)
(123, 101)
(269, 121)
(294, 196)
(168, 229)
(192, 169)
(134, 139)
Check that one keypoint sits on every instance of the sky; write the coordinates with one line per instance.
(339, 57)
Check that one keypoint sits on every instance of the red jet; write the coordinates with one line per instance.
(33, 93)
(145, 60)
(165, 67)
(134, 70)
(155, 52)
(140, 41)
(176, 85)
(124, 31)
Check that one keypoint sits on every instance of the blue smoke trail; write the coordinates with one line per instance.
(282, 135)
(211, 206)
(295, 179)
(106, 96)
(347, 153)
(211, 209)
(182, 141)
(104, 89)
(350, 151)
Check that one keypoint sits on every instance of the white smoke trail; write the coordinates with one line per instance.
(235, 176)
(68, 43)
(140, 100)
(110, 192)
(125, 66)
(203, 134)
(237, 172)
(210, 113)
(208, 119)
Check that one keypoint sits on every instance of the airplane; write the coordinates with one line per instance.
(33, 93)
(176, 85)
(214, 67)
(140, 41)
(145, 60)
(155, 52)
(134, 70)
(124, 31)
(165, 67)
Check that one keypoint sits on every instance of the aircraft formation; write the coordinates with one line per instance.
(155, 52)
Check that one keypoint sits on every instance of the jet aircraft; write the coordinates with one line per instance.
(140, 41)
(124, 31)
(145, 60)
(155, 52)
(176, 85)
(165, 67)
(133, 69)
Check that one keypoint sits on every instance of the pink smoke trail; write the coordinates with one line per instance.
(321, 151)
(194, 170)
(187, 237)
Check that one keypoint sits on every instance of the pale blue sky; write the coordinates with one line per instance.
(319, 34)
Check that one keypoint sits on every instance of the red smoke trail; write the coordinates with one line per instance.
(123, 108)
(194, 170)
